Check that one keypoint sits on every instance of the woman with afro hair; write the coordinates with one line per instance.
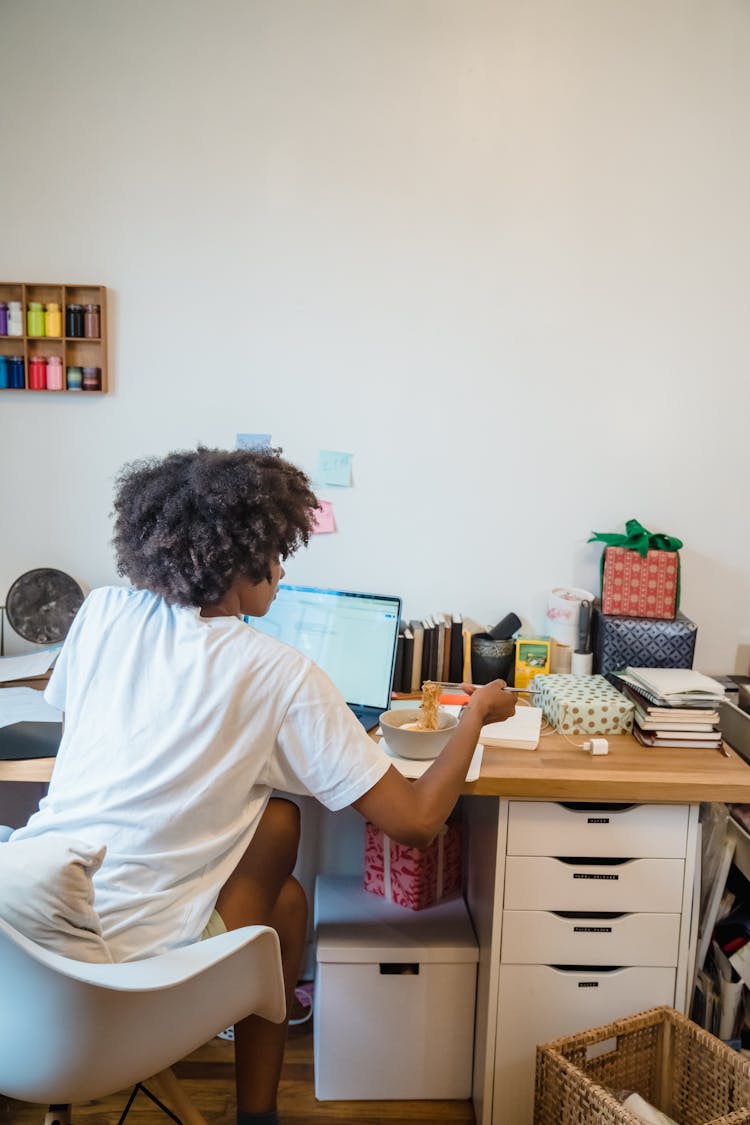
(181, 720)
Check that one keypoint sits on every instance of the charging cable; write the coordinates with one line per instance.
(596, 746)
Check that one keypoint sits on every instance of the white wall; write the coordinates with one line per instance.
(497, 250)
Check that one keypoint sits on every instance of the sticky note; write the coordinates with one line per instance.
(253, 441)
(334, 468)
(324, 524)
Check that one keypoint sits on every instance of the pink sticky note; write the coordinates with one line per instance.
(324, 524)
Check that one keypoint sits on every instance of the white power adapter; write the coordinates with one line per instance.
(597, 746)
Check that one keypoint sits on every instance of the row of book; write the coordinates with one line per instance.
(437, 647)
(673, 710)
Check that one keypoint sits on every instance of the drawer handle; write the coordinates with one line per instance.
(592, 860)
(590, 806)
(399, 968)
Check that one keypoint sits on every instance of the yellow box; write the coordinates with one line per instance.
(532, 659)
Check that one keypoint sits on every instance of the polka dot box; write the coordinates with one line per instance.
(583, 705)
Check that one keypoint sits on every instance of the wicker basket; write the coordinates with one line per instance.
(670, 1061)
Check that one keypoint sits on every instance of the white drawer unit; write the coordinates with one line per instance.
(539, 1003)
(630, 831)
(394, 996)
(548, 883)
(537, 937)
(595, 925)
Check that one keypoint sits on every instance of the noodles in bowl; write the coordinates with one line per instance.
(405, 735)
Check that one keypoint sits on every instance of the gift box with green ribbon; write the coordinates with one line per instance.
(640, 572)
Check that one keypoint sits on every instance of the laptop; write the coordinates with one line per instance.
(351, 636)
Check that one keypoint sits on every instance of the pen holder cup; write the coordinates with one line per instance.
(490, 659)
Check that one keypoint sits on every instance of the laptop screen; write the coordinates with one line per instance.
(352, 637)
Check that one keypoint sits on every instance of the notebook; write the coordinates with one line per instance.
(520, 732)
(676, 684)
(351, 636)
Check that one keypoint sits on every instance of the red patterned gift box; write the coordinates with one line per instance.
(638, 586)
(408, 876)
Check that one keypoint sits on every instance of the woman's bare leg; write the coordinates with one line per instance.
(262, 891)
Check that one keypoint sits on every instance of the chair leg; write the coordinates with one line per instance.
(173, 1093)
(140, 1088)
(58, 1115)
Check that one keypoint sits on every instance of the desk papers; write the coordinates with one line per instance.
(413, 767)
(26, 705)
(28, 666)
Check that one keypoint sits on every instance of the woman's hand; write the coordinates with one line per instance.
(491, 701)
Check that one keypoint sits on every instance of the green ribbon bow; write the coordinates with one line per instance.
(637, 538)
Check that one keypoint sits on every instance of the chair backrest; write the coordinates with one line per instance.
(71, 1031)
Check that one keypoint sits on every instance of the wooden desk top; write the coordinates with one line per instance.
(28, 769)
(558, 771)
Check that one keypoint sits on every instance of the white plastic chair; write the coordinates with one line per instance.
(71, 1031)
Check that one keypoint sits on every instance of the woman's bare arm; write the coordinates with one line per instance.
(413, 812)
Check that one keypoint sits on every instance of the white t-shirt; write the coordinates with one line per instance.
(177, 729)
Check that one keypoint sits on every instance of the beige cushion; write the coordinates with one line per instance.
(46, 893)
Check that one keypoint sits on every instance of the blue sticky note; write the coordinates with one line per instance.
(334, 468)
(253, 441)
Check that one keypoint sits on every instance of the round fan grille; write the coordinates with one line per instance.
(41, 605)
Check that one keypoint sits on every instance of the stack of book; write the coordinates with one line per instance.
(437, 647)
(673, 706)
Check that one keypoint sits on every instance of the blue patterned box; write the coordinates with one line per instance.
(643, 642)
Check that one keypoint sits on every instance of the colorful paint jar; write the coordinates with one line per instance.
(74, 379)
(92, 378)
(3, 318)
(15, 319)
(34, 319)
(74, 321)
(52, 320)
(16, 379)
(37, 373)
(54, 373)
(3, 372)
(92, 321)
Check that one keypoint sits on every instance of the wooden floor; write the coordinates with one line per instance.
(207, 1076)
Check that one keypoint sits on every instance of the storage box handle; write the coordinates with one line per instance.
(399, 969)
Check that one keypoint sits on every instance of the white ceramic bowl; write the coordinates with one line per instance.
(421, 744)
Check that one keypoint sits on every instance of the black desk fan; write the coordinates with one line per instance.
(40, 606)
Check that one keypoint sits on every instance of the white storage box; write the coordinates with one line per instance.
(394, 996)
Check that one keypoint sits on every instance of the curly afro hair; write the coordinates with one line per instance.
(188, 523)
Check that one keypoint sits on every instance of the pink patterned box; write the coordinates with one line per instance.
(408, 876)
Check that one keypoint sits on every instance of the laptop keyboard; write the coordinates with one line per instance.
(369, 717)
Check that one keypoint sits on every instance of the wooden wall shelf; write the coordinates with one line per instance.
(75, 351)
